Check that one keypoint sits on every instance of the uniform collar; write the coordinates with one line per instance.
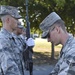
(67, 44)
(6, 32)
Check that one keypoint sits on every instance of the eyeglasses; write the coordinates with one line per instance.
(48, 35)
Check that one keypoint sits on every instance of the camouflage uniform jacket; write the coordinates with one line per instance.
(66, 62)
(8, 56)
(21, 46)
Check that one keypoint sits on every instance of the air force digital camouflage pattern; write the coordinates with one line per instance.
(19, 47)
(9, 10)
(48, 22)
(10, 55)
(66, 62)
(8, 58)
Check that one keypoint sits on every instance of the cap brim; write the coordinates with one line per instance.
(20, 26)
(18, 17)
(44, 34)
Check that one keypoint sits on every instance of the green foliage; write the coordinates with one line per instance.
(0, 24)
(60, 3)
(39, 9)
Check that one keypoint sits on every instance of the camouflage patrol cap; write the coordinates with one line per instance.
(9, 10)
(48, 22)
(20, 26)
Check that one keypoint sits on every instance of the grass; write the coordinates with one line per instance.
(42, 52)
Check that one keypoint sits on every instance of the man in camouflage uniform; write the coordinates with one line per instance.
(21, 46)
(23, 35)
(27, 47)
(53, 28)
(16, 34)
(10, 53)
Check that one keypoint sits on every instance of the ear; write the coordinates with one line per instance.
(58, 29)
(8, 20)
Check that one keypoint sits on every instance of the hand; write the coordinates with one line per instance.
(30, 42)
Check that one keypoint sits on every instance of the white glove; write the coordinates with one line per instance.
(30, 42)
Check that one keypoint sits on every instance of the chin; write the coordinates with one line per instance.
(56, 44)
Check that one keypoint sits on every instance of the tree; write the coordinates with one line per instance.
(39, 9)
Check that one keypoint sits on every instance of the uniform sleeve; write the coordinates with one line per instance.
(55, 70)
(71, 64)
(8, 66)
(66, 67)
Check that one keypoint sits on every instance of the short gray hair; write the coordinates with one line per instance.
(60, 23)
